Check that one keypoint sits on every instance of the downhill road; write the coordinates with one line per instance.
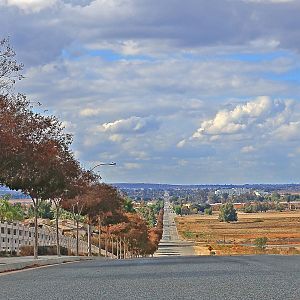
(170, 244)
(210, 277)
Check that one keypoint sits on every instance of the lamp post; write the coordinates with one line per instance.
(99, 219)
(103, 164)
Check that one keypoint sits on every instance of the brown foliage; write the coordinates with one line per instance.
(34, 149)
(98, 200)
(142, 240)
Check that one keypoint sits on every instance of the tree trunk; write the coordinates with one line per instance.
(57, 230)
(36, 244)
(77, 237)
(89, 239)
(124, 249)
(112, 247)
(106, 254)
(99, 235)
(117, 247)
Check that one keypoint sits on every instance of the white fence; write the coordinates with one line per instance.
(15, 235)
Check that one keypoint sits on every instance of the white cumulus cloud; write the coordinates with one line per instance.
(289, 131)
(29, 5)
(262, 115)
(131, 125)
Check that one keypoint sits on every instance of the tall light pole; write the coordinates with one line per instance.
(99, 218)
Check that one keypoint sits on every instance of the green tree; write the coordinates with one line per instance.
(279, 206)
(10, 212)
(227, 213)
(275, 196)
(158, 206)
(208, 211)
(44, 211)
(213, 198)
(177, 209)
(128, 205)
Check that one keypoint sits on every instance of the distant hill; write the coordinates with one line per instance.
(289, 187)
(158, 186)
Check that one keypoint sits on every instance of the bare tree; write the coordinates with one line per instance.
(9, 67)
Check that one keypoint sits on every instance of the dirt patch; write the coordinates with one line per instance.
(282, 229)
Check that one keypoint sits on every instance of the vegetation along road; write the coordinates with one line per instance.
(210, 277)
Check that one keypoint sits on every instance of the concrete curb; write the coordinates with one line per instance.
(14, 266)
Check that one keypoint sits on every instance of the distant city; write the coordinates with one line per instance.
(148, 191)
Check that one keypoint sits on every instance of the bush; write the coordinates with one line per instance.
(177, 209)
(248, 209)
(188, 234)
(227, 213)
(8, 253)
(261, 242)
(42, 250)
(208, 211)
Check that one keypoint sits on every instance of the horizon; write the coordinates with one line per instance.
(180, 184)
(202, 184)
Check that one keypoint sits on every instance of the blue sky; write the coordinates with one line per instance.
(173, 91)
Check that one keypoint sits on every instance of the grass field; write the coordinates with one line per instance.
(281, 228)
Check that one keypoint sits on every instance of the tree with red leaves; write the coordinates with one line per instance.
(30, 144)
(33, 151)
(101, 203)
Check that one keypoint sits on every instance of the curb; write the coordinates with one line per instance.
(39, 263)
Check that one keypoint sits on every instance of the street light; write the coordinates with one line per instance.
(99, 219)
(103, 164)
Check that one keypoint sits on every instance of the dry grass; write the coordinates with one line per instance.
(281, 228)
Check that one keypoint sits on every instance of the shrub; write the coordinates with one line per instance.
(208, 211)
(177, 209)
(8, 253)
(261, 242)
(42, 250)
(188, 234)
(248, 209)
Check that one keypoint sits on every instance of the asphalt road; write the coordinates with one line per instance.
(248, 277)
(170, 244)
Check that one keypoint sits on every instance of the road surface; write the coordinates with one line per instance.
(170, 244)
(210, 277)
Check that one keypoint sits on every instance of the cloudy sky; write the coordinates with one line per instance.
(174, 91)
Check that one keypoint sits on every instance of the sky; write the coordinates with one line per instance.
(185, 92)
